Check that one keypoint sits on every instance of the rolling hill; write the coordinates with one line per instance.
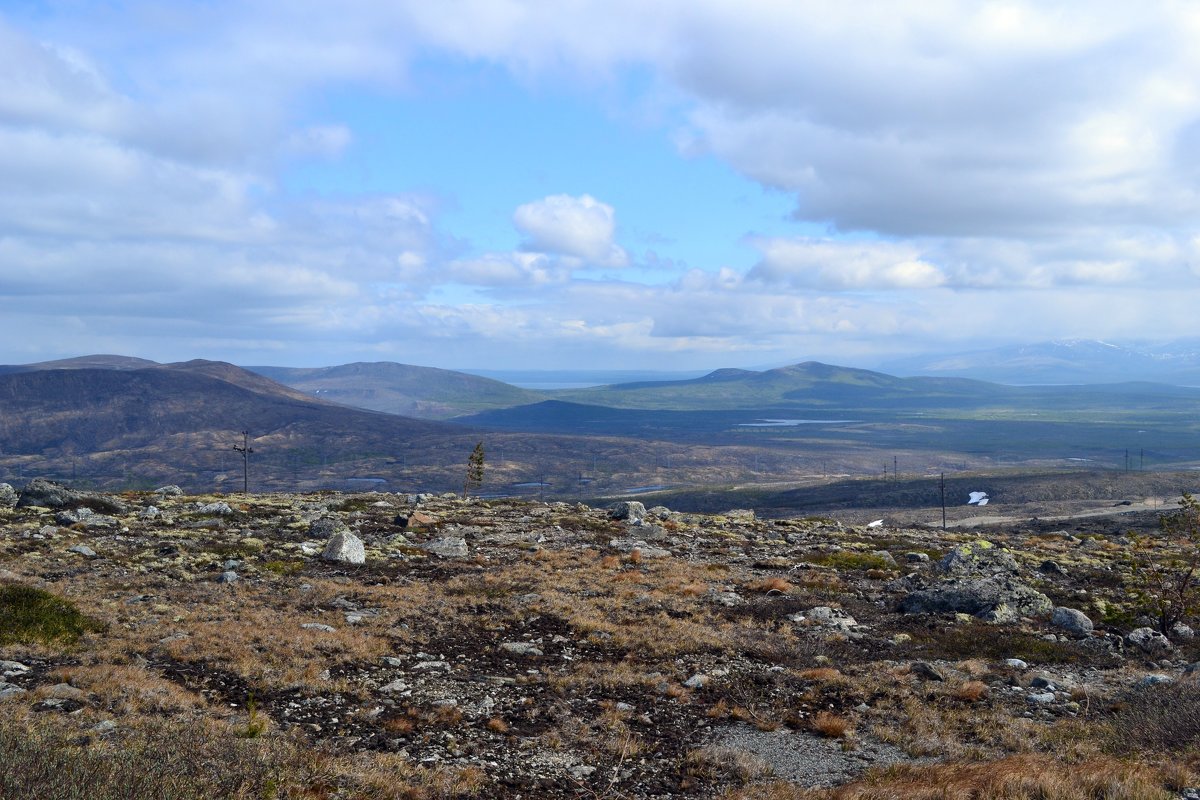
(423, 392)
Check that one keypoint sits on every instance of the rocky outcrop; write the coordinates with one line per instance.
(47, 494)
(989, 599)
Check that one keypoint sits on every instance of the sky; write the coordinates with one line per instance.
(608, 184)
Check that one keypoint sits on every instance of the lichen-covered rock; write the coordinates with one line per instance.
(1148, 640)
(991, 599)
(345, 548)
(447, 547)
(8, 496)
(1072, 620)
(980, 558)
(631, 510)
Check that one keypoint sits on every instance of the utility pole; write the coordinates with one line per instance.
(895, 469)
(245, 449)
(942, 486)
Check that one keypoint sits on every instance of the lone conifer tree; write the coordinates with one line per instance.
(474, 470)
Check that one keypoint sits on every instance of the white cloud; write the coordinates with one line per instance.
(828, 264)
(581, 227)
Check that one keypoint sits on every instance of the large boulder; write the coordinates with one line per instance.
(345, 548)
(48, 494)
(8, 496)
(979, 558)
(996, 599)
(630, 510)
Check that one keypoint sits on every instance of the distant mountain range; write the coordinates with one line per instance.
(1074, 361)
(122, 421)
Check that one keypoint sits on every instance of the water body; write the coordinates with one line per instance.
(789, 423)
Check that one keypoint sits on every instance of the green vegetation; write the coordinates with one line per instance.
(849, 559)
(29, 615)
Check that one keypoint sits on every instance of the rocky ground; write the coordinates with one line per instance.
(379, 645)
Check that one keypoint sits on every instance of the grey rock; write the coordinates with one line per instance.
(1148, 640)
(48, 494)
(659, 512)
(85, 516)
(11, 668)
(83, 550)
(150, 512)
(170, 490)
(65, 691)
(631, 510)
(1182, 632)
(886, 557)
(228, 576)
(318, 626)
(521, 648)
(1156, 679)
(1072, 620)
(979, 558)
(916, 558)
(1052, 568)
(9, 690)
(991, 599)
(826, 616)
(697, 681)
(219, 508)
(344, 548)
(104, 726)
(395, 686)
(8, 496)
(1015, 663)
(447, 547)
(323, 528)
(1041, 698)
(1042, 682)
(646, 551)
(926, 671)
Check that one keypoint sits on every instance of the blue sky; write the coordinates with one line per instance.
(516, 184)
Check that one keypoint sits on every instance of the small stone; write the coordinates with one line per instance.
(1015, 663)
(521, 648)
(1155, 679)
(9, 690)
(219, 508)
(149, 512)
(1042, 682)
(228, 576)
(170, 490)
(318, 626)
(11, 668)
(447, 547)
(916, 558)
(1072, 620)
(1182, 632)
(1041, 698)
(104, 726)
(697, 681)
(926, 671)
(65, 691)
(395, 686)
(83, 550)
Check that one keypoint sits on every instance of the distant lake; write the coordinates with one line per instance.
(788, 423)
(640, 489)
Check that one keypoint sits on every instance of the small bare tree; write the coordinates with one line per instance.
(474, 477)
(1164, 578)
